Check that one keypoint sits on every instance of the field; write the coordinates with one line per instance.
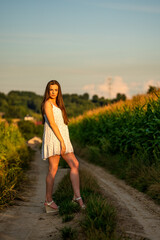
(124, 138)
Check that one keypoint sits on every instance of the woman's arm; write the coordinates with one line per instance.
(50, 116)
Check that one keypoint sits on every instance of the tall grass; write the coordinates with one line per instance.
(14, 160)
(129, 131)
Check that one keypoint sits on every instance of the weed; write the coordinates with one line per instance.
(68, 233)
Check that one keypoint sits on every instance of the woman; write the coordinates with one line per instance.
(56, 142)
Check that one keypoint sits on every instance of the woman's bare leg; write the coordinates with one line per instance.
(53, 167)
(74, 173)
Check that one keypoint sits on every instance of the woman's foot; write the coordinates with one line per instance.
(51, 207)
(80, 201)
(53, 204)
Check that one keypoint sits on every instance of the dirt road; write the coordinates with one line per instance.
(138, 216)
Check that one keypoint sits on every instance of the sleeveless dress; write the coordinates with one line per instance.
(50, 143)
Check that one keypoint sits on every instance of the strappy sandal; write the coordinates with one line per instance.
(49, 208)
(75, 200)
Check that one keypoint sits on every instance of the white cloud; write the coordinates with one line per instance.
(90, 88)
(135, 84)
(117, 85)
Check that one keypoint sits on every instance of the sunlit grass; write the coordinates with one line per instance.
(139, 99)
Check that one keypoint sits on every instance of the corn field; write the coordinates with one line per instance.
(129, 130)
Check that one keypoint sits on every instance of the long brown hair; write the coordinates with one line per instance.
(59, 101)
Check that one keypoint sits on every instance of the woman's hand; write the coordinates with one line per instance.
(63, 148)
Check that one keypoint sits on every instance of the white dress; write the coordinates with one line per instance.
(50, 142)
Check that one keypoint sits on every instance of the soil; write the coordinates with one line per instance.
(138, 216)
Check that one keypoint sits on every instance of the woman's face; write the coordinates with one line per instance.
(53, 92)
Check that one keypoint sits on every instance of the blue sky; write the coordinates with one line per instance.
(80, 44)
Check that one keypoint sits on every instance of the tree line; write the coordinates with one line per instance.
(17, 104)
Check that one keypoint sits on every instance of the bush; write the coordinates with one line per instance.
(14, 159)
(29, 129)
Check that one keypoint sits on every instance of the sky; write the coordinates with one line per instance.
(96, 46)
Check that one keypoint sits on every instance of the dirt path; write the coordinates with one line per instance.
(27, 219)
(138, 216)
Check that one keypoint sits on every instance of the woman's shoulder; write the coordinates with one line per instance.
(47, 105)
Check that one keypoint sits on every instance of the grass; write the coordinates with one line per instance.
(67, 218)
(68, 233)
(144, 178)
(98, 220)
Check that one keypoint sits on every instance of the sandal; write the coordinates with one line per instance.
(49, 208)
(76, 201)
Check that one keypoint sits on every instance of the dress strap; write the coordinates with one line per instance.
(51, 103)
(54, 105)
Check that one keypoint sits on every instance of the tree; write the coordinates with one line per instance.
(3, 102)
(152, 89)
(15, 112)
(102, 101)
(120, 97)
(86, 96)
(74, 98)
(95, 98)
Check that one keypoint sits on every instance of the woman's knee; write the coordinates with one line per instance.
(71, 160)
(53, 164)
(53, 170)
(75, 165)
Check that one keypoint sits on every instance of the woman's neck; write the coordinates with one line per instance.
(53, 101)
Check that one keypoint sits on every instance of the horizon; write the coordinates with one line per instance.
(90, 96)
